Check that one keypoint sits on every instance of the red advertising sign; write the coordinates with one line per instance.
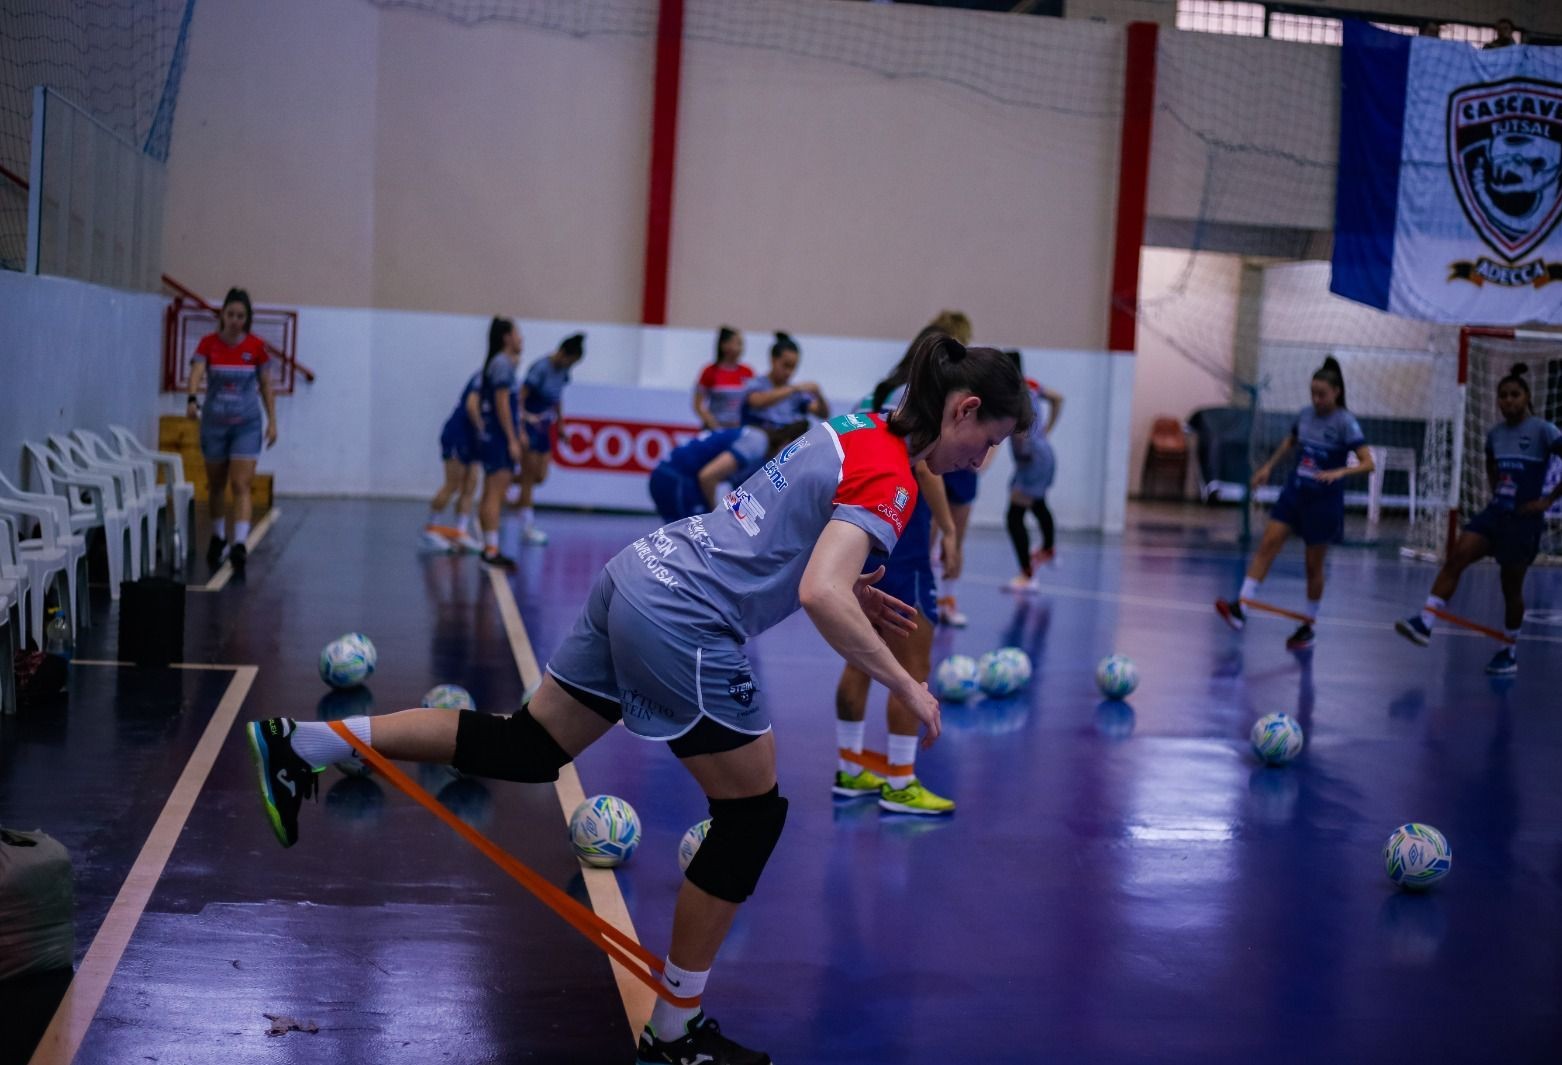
(615, 445)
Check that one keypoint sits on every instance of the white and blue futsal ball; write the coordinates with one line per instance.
(605, 830)
(347, 661)
(1021, 662)
(1417, 856)
(689, 845)
(1277, 738)
(448, 697)
(1117, 676)
(955, 678)
(999, 674)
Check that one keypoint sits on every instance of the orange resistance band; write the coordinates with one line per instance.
(615, 944)
(1270, 608)
(1473, 626)
(871, 760)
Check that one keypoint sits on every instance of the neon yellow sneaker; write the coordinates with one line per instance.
(849, 786)
(914, 799)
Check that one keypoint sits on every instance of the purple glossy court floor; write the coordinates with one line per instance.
(1122, 882)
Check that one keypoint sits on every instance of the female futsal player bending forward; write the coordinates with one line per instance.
(1518, 450)
(685, 598)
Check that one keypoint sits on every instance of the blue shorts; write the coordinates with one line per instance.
(455, 442)
(1317, 515)
(1514, 538)
(1032, 478)
(220, 442)
(539, 436)
(911, 582)
(494, 453)
(960, 487)
(663, 679)
(676, 495)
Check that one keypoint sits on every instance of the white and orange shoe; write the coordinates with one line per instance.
(949, 613)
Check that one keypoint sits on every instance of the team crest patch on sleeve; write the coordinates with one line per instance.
(741, 687)
(901, 498)
(746, 509)
(848, 423)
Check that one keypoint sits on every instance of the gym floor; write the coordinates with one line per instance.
(1122, 882)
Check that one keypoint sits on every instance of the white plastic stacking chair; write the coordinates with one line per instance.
(52, 516)
(15, 579)
(46, 567)
(98, 510)
(140, 508)
(181, 493)
(10, 622)
(148, 491)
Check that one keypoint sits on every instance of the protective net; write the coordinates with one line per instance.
(119, 60)
(1455, 484)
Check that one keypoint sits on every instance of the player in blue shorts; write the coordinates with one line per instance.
(908, 576)
(458, 450)
(541, 404)
(1035, 465)
(499, 444)
(775, 399)
(660, 648)
(1519, 450)
(1312, 503)
(684, 483)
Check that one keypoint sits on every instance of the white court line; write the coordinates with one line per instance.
(85, 994)
(224, 572)
(1185, 606)
(607, 899)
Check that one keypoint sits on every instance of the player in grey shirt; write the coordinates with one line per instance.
(659, 646)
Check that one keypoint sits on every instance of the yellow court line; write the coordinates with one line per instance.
(607, 899)
(85, 994)
(224, 572)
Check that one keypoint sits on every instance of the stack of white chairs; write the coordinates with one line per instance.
(93, 502)
(51, 517)
(12, 594)
(180, 492)
(45, 566)
(137, 485)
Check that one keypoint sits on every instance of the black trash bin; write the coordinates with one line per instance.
(151, 621)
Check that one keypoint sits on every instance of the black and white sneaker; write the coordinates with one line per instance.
(238, 555)
(1503, 664)
(1414, 630)
(702, 1043)
(286, 780)
(1302, 639)
(214, 551)
(1231, 613)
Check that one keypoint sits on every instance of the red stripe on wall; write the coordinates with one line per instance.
(664, 149)
(1133, 182)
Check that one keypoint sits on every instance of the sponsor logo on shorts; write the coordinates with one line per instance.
(642, 707)
(741, 687)
(901, 497)
(746, 509)
(790, 451)
(773, 472)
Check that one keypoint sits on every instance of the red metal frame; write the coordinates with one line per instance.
(664, 150)
(185, 322)
(289, 362)
(1133, 182)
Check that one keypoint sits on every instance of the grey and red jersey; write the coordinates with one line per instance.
(739, 567)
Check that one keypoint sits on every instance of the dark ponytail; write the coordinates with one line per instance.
(1330, 373)
(498, 330)
(784, 343)
(573, 345)
(238, 295)
(902, 370)
(1517, 374)
(938, 365)
(724, 334)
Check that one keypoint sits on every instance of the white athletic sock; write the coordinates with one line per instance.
(848, 737)
(946, 588)
(668, 1021)
(433, 517)
(1312, 610)
(901, 751)
(241, 532)
(1249, 589)
(528, 518)
(220, 528)
(1432, 603)
(1513, 634)
(491, 540)
(317, 744)
(464, 524)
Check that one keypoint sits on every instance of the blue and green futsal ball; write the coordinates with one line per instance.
(1003, 672)
(1277, 738)
(604, 830)
(448, 697)
(689, 845)
(1117, 676)
(1417, 856)
(955, 679)
(348, 661)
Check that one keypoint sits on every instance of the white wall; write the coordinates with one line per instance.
(74, 355)
(1298, 306)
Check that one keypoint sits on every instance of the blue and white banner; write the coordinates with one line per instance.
(1450, 179)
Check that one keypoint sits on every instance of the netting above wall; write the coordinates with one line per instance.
(120, 60)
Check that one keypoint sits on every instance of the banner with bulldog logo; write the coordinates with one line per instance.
(1449, 187)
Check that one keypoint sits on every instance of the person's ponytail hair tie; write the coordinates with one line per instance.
(1331, 374)
(784, 343)
(939, 365)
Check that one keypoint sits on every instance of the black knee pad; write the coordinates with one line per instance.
(507, 748)
(742, 834)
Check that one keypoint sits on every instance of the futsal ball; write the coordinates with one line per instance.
(448, 697)
(1277, 738)
(689, 845)
(1021, 662)
(369, 652)
(955, 679)
(347, 662)
(605, 831)
(1417, 856)
(1117, 676)
(998, 674)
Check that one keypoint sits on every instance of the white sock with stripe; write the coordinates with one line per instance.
(848, 737)
(317, 744)
(901, 753)
(1432, 603)
(1249, 589)
(669, 1022)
